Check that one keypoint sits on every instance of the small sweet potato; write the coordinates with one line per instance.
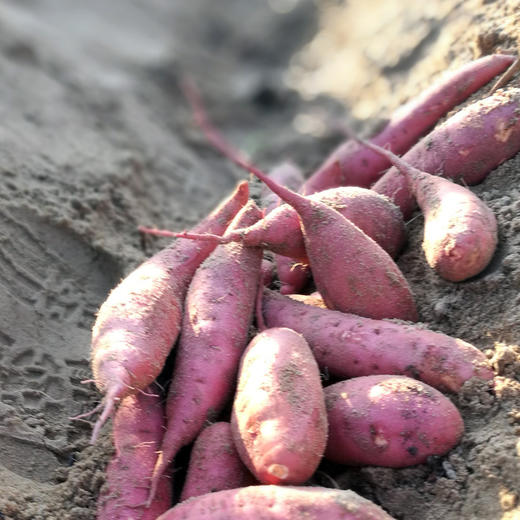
(277, 503)
(460, 230)
(348, 346)
(278, 419)
(392, 421)
(214, 463)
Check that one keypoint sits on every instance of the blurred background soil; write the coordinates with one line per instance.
(95, 139)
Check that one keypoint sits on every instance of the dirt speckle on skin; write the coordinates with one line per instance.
(96, 140)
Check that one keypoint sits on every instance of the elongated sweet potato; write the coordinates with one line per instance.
(350, 346)
(467, 146)
(138, 431)
(214, 463)
(277, 503)
(278, 419)
(391, 421)
(138, 323)
(218, 313)
(460, 230)
(351, 165)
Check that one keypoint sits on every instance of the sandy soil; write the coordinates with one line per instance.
(95, 139)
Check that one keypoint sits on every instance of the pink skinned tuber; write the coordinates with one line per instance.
(391, 421)
(214, 463)
(293, 275)
(460, 230)
(218, 313)
(277, 503)
(137, 325)
(278, 421)
(138, 431)
(346, 345)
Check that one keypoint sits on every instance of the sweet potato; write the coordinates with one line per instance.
(138, 431)
(214, 463)
(277, 503)
(218, 313)
(351, 165)
(467, 146)
(278, 419)
(460, 230)
(139, 322)
(330, 241)
(391, 421)
(350, 346)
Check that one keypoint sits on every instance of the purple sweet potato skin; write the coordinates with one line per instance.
(350, 346)
(138, 430)
(214, 463)
(460, 230)
(270, 502)
(125, 356)
(466, 147)
(218, 313)
(278, 418)
(391, 421)
(351, 165)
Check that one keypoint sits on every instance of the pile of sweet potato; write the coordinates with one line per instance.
(203, 293)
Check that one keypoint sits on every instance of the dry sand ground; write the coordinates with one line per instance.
(95, 139)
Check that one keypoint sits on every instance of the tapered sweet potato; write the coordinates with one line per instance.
(278, 418)
(138, 431)
(218, 313)
(214, 463)
(138, 323)
(350, 346)
(351, 165)
(391, 421)
(277, 503)
(467, 146)
(460, 230)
